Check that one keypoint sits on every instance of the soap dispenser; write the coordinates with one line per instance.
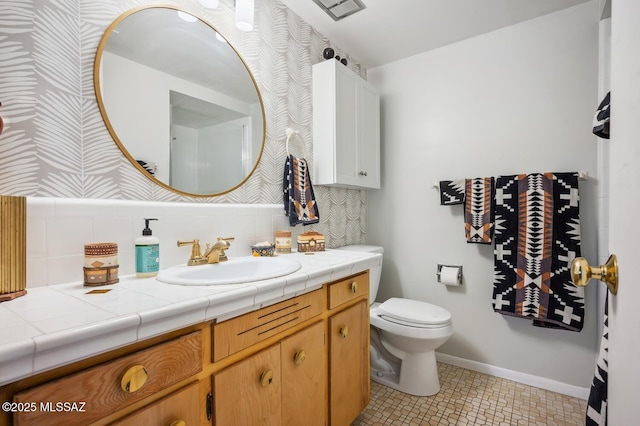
(147, 253)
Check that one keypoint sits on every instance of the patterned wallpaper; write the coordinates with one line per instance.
(55, 143)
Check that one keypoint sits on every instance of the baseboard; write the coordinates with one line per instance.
(527, 379)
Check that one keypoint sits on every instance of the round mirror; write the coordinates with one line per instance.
(179, 101)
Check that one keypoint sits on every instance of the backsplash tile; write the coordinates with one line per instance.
(58, 229)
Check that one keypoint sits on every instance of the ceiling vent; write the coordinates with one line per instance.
(339, 9)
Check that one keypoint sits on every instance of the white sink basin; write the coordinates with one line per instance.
(233, 271)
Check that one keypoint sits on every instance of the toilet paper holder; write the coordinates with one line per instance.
(459, 274)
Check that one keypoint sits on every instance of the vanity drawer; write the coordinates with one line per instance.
(182, 405)
(99, 391)
(348, 289)
(241, 332)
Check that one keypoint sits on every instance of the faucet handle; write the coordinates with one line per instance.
(227, 239)
(196, 252)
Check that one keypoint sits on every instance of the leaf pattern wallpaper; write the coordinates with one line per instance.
(55, 143)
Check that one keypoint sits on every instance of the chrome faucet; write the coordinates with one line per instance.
(216, 253)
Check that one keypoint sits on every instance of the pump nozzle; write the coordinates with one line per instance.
(147, 230)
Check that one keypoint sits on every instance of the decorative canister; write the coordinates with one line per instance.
(97, 255)
(310, 241)
(100, 264)
(283, 241)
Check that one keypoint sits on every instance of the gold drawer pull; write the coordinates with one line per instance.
(134, 378)
(178, 423)
(344, 331)
(299, 357)
(354, 287)
(266, 378)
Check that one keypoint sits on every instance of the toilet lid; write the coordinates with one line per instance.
(413, 313)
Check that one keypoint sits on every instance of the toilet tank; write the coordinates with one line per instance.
(375, 272)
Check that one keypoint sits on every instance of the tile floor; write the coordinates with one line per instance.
(470, 398)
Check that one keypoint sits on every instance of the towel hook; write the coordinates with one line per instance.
(290, 132)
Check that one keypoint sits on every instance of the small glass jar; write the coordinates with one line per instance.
(283, 241)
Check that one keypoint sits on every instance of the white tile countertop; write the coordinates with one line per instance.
(57, 325)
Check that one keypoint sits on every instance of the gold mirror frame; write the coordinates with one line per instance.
(116, 138)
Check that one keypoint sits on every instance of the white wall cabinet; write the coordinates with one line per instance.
(346, 128)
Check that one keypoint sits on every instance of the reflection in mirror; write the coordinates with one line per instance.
(179, 101)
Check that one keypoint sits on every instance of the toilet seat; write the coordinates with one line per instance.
(413, 313)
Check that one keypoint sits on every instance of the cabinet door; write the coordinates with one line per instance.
(346, 127)
(368, 156)
(348, 363)
(180, 405)
(248, 393)
(304, 377)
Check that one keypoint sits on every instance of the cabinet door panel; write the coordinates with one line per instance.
(304, 377)
(348, 363)
(368, 167)
(181, 405)
(346, 130)
(241, 398)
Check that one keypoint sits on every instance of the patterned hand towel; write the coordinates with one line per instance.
(299, 201)
(451, 192)
(478, 211)
(537, 237)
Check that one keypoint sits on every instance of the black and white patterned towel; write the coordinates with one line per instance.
(297, 193)
(537, 236)
(598, 396)
(148, 166)
(478, 210)
(602, 118)
(451, 192)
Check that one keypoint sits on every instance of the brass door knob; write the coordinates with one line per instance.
(354, 287)
(299, 357)
(344, 331)
(582, 273)
(178, 423)
(266, 378)
(133, 378)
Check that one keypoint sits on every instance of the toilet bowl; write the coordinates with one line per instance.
(404, 336)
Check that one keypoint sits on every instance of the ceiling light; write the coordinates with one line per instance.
(244, 14)
(186, 17)
(209, 4)
(339, 9)
(220, 38)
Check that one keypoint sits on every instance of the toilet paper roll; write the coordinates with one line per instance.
(450, 275)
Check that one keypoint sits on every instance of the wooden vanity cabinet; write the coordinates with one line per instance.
(302, 361)
(283, 384)
(349, 385)
(313, 371)
(348, 363)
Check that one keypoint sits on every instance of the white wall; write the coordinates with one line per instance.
(517, 100)
(220, 150)
(147, 137)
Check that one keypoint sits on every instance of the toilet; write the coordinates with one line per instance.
(404, 336)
